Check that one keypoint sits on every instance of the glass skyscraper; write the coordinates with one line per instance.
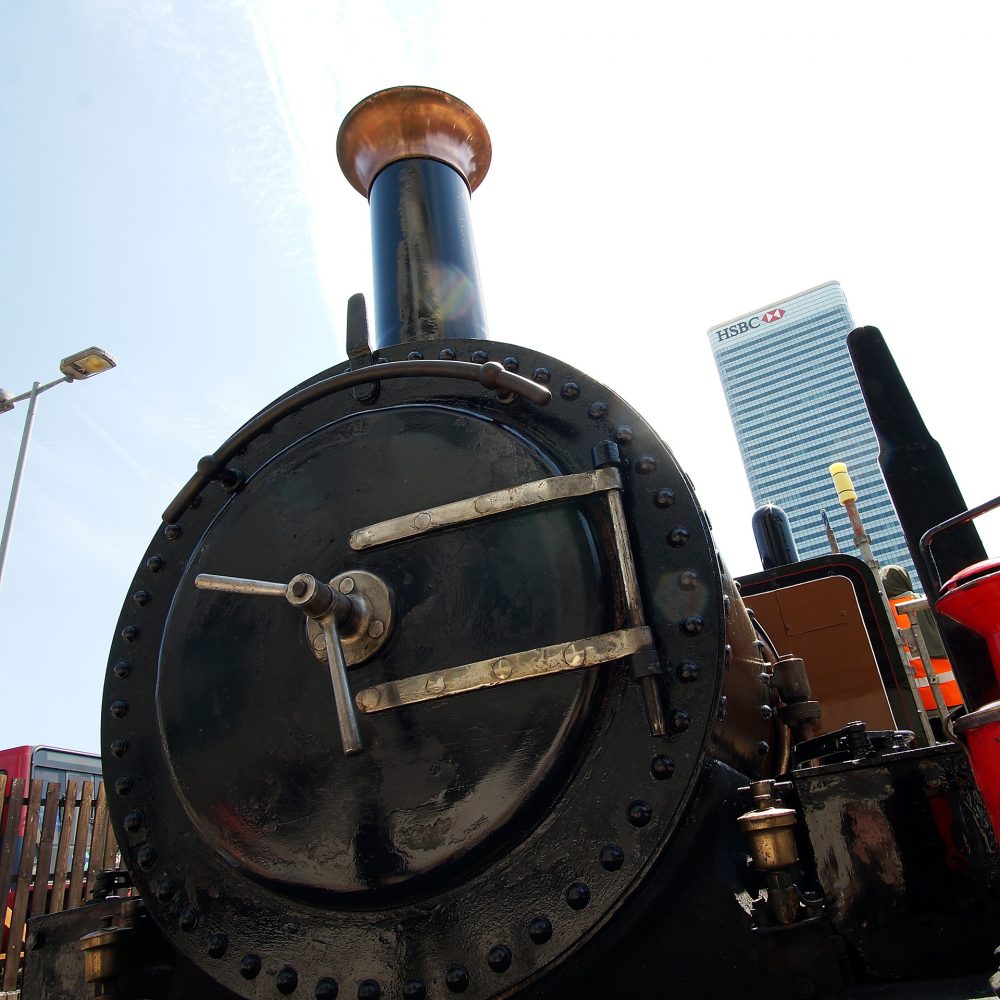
(796, 406)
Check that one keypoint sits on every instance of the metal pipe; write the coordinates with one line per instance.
(417, 154)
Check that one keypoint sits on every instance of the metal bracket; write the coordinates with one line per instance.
(359, 352)
(496, 671)
(473, 509)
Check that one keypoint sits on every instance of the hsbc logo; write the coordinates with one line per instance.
(745, 325)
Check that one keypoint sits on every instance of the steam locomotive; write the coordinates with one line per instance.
(433, 682)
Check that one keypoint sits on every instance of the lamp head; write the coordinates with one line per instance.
(5, 401)
(83, 364)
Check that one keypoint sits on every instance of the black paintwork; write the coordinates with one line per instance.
(467, 821)
(426, 278)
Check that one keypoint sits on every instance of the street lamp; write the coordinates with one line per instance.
(75, 368)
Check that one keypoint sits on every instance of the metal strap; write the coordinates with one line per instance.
(526, 665)
(478, 508)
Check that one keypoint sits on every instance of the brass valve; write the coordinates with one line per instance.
(770, 827)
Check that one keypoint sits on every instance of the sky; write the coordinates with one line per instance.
(169, 191)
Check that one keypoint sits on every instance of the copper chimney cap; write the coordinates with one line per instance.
(406, 122)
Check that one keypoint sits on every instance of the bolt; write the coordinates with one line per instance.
(346, 586)
(612, 857)
(503, 668)
(662, 767)
(435, 684)
(688, 672)
(457, 979)
(286, 980)
(319, 641)
(369, 699)
(540, 930)
(217, 945)
(299, 588)
(639, 813)
(376, 628)
(573, 655)
(249, 966)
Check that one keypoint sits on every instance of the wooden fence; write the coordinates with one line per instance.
(66, 841)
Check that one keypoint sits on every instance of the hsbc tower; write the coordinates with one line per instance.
(796, 407)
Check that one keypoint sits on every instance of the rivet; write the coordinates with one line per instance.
(217, 945)
(369, 698)
(624, 435)
(721, 713)
(346, 586)
(540, 930)
(765, 679)
(435, 684)
(726, 605)
(369, 990)
(542, 376)
(249, 966)
(612, 857)
(645, 465)
(142, 597)
(154, 564)
(578, 895)
(327, 989)
(165, 890)
(727, 657)
(570, 390)
(479, 357)
(598, 411)
(688, 580)
(286, 980)
(188, 920)
(415, 356)
(447, 354)
(763, 748)
(133, 821)
(499, 958)
(299, 588)
(421, 520)
(664, 498)
(457, 979)
(678, 536)
(130, 633)
(693, 625)
(376, 628)
(483, 504)
(639, 813)
(118, 708)
(573, 655)
(679, 721)
(122, 669)
(414, 989)
(119, 747)
(662, 767)
(146, 857)
(123, 785)
(172, 531)
(503, 668)
(510, 364)
(766, 713)
(688, 672)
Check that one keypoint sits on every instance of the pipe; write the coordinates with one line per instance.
(417, 154)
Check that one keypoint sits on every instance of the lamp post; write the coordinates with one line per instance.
(75, 368)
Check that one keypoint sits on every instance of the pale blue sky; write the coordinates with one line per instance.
(169, 191)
